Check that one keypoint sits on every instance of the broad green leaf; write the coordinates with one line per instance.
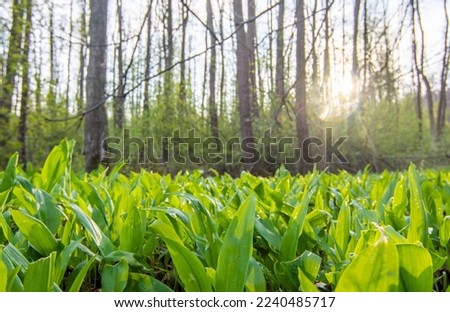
(133, 232)
(255, 277)
(444, 232)
(14, 282)
(267, 230)
(35, 232)
(416, 268)
(310, 265)
(418, 225)
(375, 269)
(237, 249)
(305, 283)
(101, 240)
(40, 275)
(7, 232)
(56, 164)
(189, 268)
(132, 259)
(342, 232)
(289, 241)
(399, 203)
(3, 276)
(9, 174)
(114, 278)
(145, 283)
(16, 257)
(79, 279)
(48, 210)
(63, 260)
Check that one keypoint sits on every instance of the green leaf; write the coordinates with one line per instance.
(418, 226)
(40, 275)
(114, 278)
(79, 279)
(63, 260)
(56, 163)
(7, 232)
(101, 240)
(35, 232)
(342, 233)
(416, 268)
(3, 276)
(48, 210)
(133, 232)
(189, 268)
(16, 257)
(145, 283)
(10, 173)
(255, 277)
(237, 249)
(444, 232)
(375, 269)
(269, 232)
(289, 241)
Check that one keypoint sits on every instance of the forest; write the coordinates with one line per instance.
(212, 145)
(119, 77)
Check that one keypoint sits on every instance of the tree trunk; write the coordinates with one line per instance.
(444, 76)
(251, 42)
(300, 86)
(95, 127)
(83, 31)
(355, 65)
(243, 81)
(182, 95)
(69, 58)
(13, 59)
(119, 100)
(214, 123)
(279, 71)
(148, 59)
(25, 96)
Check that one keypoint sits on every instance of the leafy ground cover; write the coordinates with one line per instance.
(106, 231)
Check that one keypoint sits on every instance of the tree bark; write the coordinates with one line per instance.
(13, 60)
(243, 80)
(25, 95)
(300, 86)
(148, 59)
(279, 71)
(119, 100)
(214, 122)
(444, 76)
(251, 42)
(95, 127)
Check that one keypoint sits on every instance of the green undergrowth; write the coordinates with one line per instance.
(106, 231)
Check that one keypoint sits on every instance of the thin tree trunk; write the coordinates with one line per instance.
(13, 59)
(444, 76)
(148, 59)
(214, 122)
(243, 81)
(69, 58)
(83, 31)
(355, 65)
(182, 95)
(300, 86)
(279, 71)
(119, 100)
(95, 127)
(251, 43)
(25, 96)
